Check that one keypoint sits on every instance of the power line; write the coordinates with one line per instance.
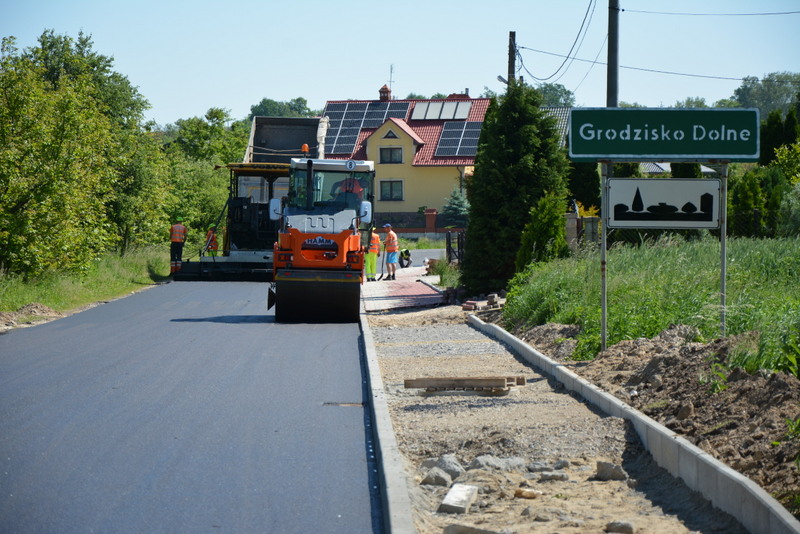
(656, 71)
(594, 62)
(581, 31)
(583, 37)
(711, 14)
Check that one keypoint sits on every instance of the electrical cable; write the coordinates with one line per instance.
(710, 14)
(602, 46)
(577, 37)
(656, 71)
(579, 44)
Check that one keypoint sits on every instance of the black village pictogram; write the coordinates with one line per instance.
(665, 212)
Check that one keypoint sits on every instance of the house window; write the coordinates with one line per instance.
(391, 155)
(391, 190)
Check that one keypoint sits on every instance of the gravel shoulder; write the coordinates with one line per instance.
(543, 460)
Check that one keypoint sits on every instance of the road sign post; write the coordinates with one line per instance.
(661, 134)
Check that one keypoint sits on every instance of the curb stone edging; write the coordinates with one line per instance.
(726, 488)
(395, 498)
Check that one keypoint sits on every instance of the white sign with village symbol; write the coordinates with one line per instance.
(663, 203)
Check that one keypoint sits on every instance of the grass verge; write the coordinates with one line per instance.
(668, 282)
(110, 277)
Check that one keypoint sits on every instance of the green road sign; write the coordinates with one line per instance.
(663, 134)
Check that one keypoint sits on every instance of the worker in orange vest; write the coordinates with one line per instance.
(177, 237)
(211, 240)
(373, 253)
(392, 248)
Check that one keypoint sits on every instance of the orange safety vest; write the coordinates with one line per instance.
(177, 233)
(351, 185)
(391, 242)
(211, 239)
(375, 244)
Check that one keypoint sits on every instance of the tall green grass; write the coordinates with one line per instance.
(654, 285)
(110, 277)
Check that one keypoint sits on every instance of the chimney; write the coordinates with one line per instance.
(386, 94)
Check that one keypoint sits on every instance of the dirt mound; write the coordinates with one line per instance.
(741, 419)
(27, 315)
(39, 310)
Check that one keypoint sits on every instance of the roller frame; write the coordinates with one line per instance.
(303, 295)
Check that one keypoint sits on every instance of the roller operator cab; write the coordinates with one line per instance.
(319, 255)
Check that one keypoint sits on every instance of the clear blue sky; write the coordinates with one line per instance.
(188, 56)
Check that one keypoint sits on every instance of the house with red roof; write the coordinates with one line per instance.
(422, 149)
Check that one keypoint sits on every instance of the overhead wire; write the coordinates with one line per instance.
(569, 57)
(594, 62)
(591, 16)
(581, 31)
(656, 71)
(710, 14)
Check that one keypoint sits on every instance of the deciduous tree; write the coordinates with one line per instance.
(775, 91)
(297, 107)
(54, 177)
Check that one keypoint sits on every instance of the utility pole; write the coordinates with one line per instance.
(612, 90)
(512, 55)
(612, 75)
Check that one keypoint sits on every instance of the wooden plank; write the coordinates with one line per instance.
(485, 382)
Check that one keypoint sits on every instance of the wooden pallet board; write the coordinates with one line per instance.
(465, 383)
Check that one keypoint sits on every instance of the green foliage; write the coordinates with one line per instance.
(668, 282)
(297, 107)
(544, 237)
(455, 211)
(686, 170)
(692, 102)
(778, 350)
(54, 174)
(584, 183)
(775, 91)
(771, 137)
(106, 278)
(519, 157)
(627, 170)
(755, 200)
(787, 158)
(61, 57)
(718, 379)
(140, 191)
(727, 103)
(209, 138)
(449, 276)
(789, 214)
(80, 176)
(791, 128)
(556, 95)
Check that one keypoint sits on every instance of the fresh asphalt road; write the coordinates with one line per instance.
(185, 408)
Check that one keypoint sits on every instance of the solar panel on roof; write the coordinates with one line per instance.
(434, 109)
(448, 110)
(462, 111)
(459, 139)
(347, 119)
(419, 111)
